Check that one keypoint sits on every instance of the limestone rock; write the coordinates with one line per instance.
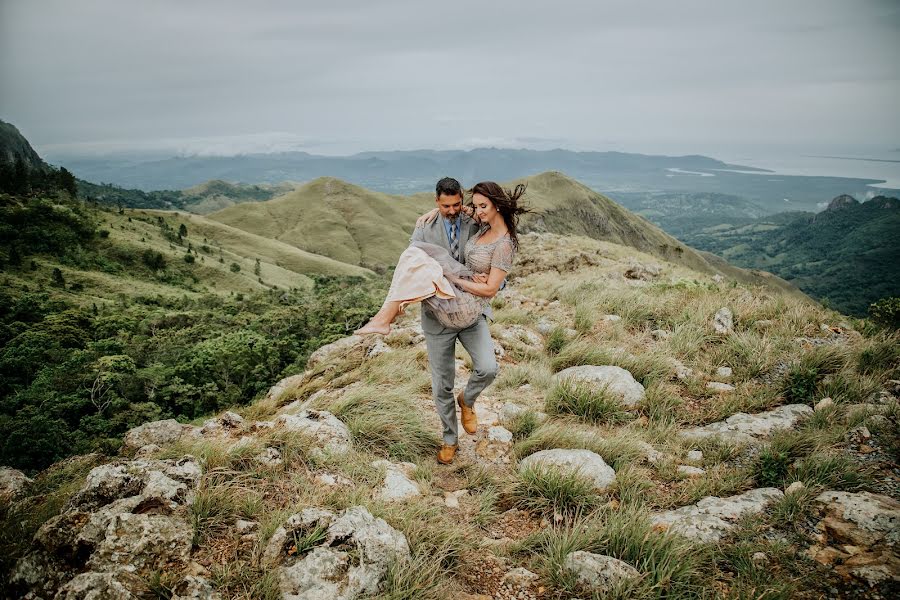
(12, 483)
(332, 480)
(695, 456)
(689, 471)
(194, 587)
(143, 541)
(745, 428)
(582, 463)
(713, 517)
(824, 403)
(522, 335)
(106, 586)
(269, 457)
(651, 454)
(160, 433)
(320, 424)
(681, 371)
(611, 318)
(723, 321)
(724, 372)
(284, 385)
(646, 272)
(615, 380)
(350, 560)
(598, 573)
(794, 488)
(451, 499)
(397, 485)
(520, 576)
(379, 347)
(339, 347)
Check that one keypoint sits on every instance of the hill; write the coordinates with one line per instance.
(847, 255)
(753, 450)
(14, 146)
(358, 226)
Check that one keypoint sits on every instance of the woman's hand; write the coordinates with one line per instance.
(470, 211)
(427, 218)
(480, 278)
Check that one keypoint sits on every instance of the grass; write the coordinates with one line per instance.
(802, 379)
(556, 340)
(671, 566)
(645, 367)
(588, 402)
(553, 492)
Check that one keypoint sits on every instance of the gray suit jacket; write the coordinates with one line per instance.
(435, 233)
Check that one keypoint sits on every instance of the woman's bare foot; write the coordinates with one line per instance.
(372, 327)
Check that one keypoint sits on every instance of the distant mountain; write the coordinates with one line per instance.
(406, 172)
(849, 254)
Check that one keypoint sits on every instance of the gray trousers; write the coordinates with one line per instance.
(441, 345)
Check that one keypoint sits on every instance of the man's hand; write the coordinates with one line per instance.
(427, 218)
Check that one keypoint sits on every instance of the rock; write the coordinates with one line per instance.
(858, 435)
(243, 526)
(824, 403)
(194, 587)
(583, 463)
(744, 428)
(650, 453)
(225, 423)
(598, 573)
(520, 334)
(681, 371)
(713, 517)
(510, 413)
(695, 456)
(759, 558)
(327, 429)
(718, 278)
(499, 352)
(723, 321)
(100, 586)
(611, 318)
(342, 346)
(349, 559)
(332, 480)
(284, 385)
(521, 577)
(660, 335)
(143, 541)
(719, 387)
(397, 485)
(690, 471)
(160, 433)
(863, 530)
(544, 327)
(614, 380)
(494, 446)
(646, 272)
(147, 451)
(379, 347)
(724, 372)
(795, 488)
(12, 484)
(270, 457)
(451, 499)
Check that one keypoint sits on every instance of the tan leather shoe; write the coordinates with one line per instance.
(467, 416)
(446, 454)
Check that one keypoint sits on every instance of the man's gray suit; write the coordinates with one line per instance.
(441, 341)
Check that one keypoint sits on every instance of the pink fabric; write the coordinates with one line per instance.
(418, 276)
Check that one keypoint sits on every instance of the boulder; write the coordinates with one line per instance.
(614, 380)
(599, 574)
(115, 585)
(339, 347)
(12, 484)
(284, 385)
(744, 428)
(723, 321)
(347, 557)
(160, 433)
(397, 486)
(327, 429)
(583, 463)
(712, 517)
(146, 542)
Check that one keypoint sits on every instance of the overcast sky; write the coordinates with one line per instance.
(334, 77)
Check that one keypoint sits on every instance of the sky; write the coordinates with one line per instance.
(223, 77)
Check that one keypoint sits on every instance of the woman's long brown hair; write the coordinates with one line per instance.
(507, 204)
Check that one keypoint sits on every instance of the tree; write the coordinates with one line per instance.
(257, 269)
(235, 268)
(182, 230)
(58, 279)
(109, 371)
(67, 182)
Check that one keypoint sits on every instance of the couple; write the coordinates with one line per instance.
(454, 265)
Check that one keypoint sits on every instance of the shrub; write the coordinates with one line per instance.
(235, 268)
(886, 312)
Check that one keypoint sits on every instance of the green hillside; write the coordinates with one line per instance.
(848, 254)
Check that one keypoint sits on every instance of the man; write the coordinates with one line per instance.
(452, 229)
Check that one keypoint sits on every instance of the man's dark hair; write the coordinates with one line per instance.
(447, 187)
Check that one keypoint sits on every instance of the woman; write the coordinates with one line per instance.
(455, 293)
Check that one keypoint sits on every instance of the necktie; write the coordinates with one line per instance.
(454, 240)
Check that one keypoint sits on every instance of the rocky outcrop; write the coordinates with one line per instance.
(858, 535)
(321, 555)
(158, 433)
(613, 380)
(712, 517)
(321, 425)
(582, 463)
(12, 483)
(743, 428)
(127, 520)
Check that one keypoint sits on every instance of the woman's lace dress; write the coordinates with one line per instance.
(422, 275)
